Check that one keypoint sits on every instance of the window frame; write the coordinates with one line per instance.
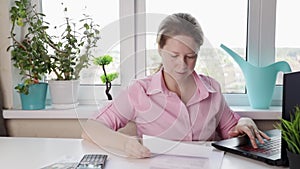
(260, 48)
(127, 47)
(94, 94)
(260, 44)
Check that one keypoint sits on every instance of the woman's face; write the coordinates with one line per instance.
(179, 56)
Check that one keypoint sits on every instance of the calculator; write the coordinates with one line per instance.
(90, 161)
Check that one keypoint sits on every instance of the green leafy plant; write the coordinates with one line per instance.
(28, 52)
(290, 131)
(73, 49)
(106, 78)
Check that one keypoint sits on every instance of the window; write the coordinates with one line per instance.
(287, 33)
(112, 17)
(56, 14)
(247, 26)
(222, 22)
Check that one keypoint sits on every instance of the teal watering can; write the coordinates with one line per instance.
(260, 81)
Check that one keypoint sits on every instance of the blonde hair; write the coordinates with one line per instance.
(179, 24)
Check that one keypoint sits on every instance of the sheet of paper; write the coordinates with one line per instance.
(66, 162)
(61, 166)
(163, 146)
(169, 154)
(179, 162)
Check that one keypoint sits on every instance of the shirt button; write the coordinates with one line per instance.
(190, 136)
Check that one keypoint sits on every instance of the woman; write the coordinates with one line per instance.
(175, 103)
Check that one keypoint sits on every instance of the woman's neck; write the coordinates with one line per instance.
(184, 88)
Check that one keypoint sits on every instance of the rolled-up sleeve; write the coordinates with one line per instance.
(226, 117)
(116, 114)
(228, 120)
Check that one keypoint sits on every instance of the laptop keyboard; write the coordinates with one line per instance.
(268, 148)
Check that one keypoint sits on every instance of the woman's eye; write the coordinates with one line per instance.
(192, 57)
(174, 56)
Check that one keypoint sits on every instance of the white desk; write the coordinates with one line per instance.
(34, 153)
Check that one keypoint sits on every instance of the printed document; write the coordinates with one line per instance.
(169, 154)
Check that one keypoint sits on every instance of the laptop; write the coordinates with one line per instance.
(272, 152)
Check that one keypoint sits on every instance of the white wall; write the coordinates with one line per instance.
(5, 69)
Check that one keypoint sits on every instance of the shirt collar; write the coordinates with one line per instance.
(157, 84)
(204, 85)
(204, 82)
(204, 88)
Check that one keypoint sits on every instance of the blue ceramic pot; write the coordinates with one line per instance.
(36, 98)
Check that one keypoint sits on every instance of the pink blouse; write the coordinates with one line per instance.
(160, 112)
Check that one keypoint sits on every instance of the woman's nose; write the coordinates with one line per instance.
(182, 60)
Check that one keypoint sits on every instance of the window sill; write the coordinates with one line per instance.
(86, 111)
(273, 113)
(80, 112)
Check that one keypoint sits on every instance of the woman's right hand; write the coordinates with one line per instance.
(134, 149)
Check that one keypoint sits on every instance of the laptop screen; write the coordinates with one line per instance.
(291, 93)
(290, 99)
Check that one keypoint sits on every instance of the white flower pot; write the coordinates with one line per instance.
(64, 93)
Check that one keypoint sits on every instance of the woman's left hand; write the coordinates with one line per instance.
(247, 126)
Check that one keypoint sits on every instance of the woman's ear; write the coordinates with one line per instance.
(160, 51)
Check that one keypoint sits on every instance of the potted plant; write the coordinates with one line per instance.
(290, 131)
(106, 78)
(72, 52)
(29, 53)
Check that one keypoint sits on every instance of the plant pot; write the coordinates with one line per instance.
(36, 98)
(64, 93)
(294, 160)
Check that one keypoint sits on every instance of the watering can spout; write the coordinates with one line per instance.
(238, 59)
